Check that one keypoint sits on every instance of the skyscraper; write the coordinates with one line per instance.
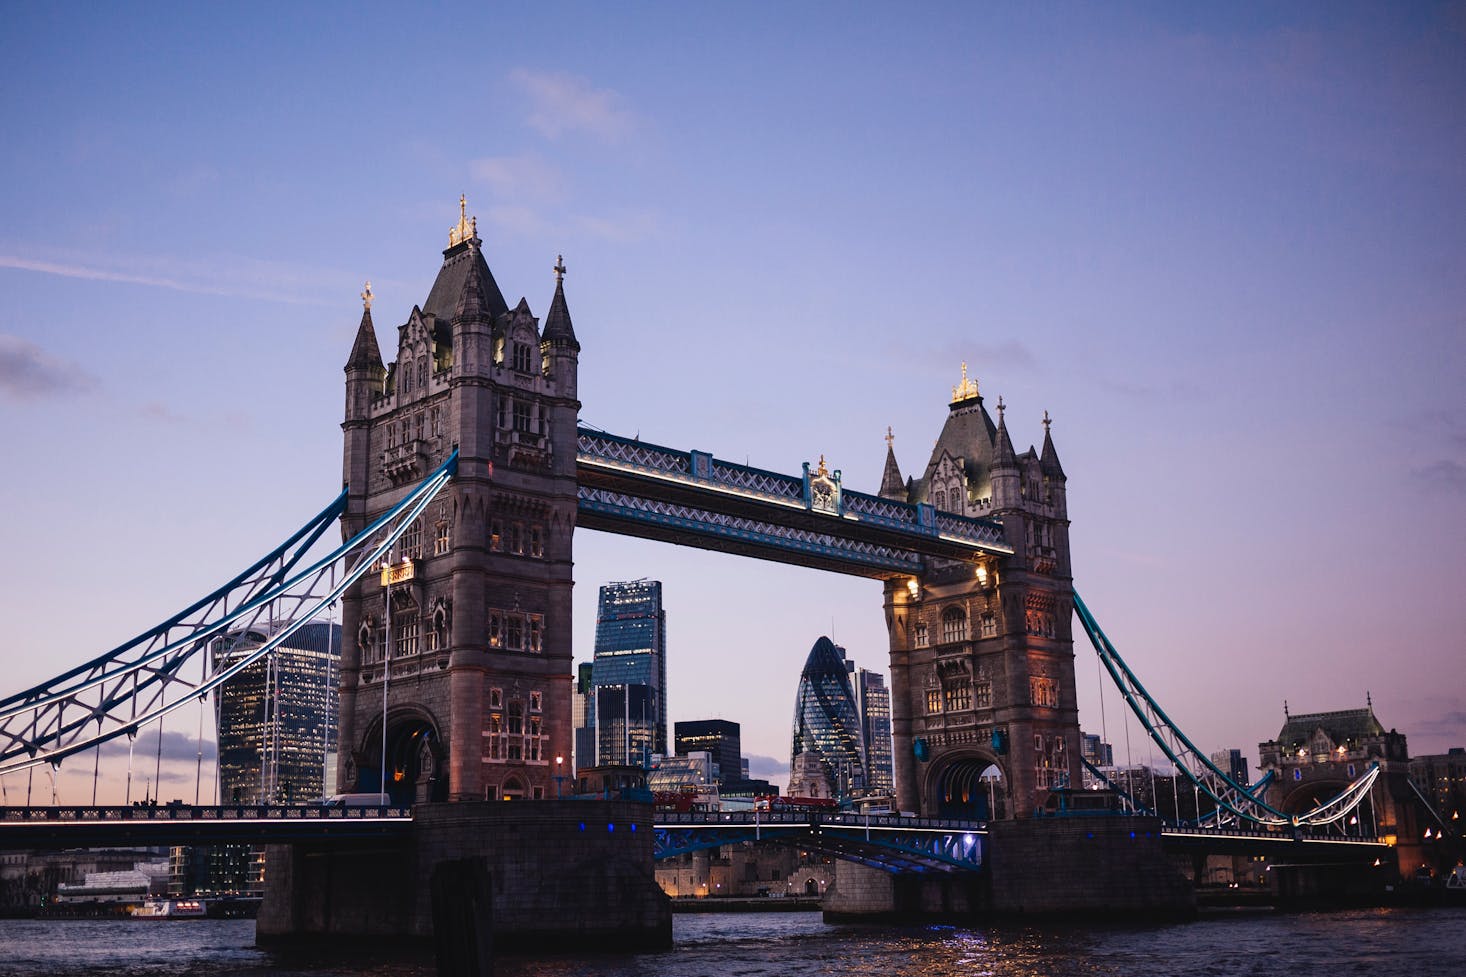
(277, 717)
(873, 702)
(629, 676)
(582, 717)
(827, 744)
(718, 737)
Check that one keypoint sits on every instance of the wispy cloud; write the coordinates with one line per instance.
(28, 372)
(246, 278)
(1445, 476)
(561, 103)
(766, 766)
(520, 177)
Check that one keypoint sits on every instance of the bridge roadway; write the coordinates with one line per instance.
(890, 842)
(902, 844)
(176, 824)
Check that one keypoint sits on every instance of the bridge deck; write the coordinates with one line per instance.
(91, 827)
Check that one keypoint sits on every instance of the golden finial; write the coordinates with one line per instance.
(366, 297)
(890, 438)
(965, 390)
(559, 268)
(822, 470)
(466, 229)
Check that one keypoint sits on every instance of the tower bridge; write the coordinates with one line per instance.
(467, 472)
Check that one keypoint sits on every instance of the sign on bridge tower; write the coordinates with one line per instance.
(982, 657)
(462, 642)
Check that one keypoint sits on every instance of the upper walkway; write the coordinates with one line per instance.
(633, 488)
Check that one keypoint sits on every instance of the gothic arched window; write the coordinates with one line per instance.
(954, 625)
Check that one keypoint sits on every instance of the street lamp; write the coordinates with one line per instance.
(559, 776)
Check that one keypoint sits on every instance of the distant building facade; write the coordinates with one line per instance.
(1233, 764)
(582, 717)
(721, 739)
(1441, 778)
(827, 751)
(629, 674)
(277, 717)
(873, 705)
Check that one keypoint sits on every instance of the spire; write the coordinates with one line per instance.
(893, 486)
(1049, 460)
(557, 324)
(365, 353)
(1003, 454)
(473, 303)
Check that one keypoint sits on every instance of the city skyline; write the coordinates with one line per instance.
(1222, 248)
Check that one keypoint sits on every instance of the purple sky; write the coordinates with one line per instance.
(1224, 248)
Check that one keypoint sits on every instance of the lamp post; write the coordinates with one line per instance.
(559, 776)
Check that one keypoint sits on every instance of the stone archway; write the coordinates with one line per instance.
(416, 768)
(968, 785)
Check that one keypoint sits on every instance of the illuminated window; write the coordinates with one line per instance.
(496, 536)
(407, 635)
(536, 701)
(536, 632)
(933, 700)
(1043, 691)
(496, 698)
(412, 541)
(522, 358)
(954, 625)
(536, 542)
(958, 697)
(441, 539)
(496, 629)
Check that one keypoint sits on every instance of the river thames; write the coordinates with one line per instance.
(1376, 943)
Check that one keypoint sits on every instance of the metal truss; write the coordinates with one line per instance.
(707, 523)
(1244, 803)
(893, 844)
(693, 497)
(168, 667)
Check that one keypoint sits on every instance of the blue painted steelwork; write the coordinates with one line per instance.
(691, 497)
(888, 842)
(142, 680)
(1197, 766)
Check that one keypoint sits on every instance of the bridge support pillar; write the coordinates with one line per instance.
(562, 873)
(1101, 865)
(864, 894)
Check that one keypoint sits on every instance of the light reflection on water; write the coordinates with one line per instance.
(1377, 943)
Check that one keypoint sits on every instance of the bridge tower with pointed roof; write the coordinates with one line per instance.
(455, 680)
(982, 658)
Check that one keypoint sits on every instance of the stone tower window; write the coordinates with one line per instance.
(954, 625)
(522, 358)
(922, 639)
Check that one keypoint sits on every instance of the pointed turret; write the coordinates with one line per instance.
(558, 329)
(1007, 485)
(893, 486)
(1003, 453)
(365, 353)
(1049, 461)
(473, 302)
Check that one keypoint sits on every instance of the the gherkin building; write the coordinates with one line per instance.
(826, 722)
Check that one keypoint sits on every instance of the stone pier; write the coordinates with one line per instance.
(566, 874)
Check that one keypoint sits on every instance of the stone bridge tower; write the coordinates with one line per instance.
(473, 673)
(982, 658)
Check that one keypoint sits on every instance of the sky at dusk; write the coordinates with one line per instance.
(1224, 246)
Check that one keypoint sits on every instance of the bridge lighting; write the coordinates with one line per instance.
(982, 574)
(969, 838)
(913, 587)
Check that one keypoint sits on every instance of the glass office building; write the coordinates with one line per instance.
(873, 700)
(629, 674)
(722, 739)
(827, 722)
(277, 717)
